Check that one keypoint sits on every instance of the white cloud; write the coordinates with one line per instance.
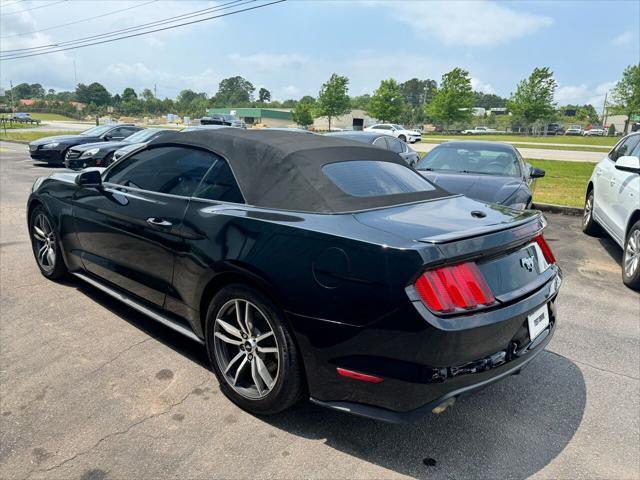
(467, 23)
(268, 61)
(290, 90)
(583, 94)
(625, 38)
(479, 86)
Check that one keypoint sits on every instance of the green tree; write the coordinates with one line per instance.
(307, 99)
(361, 101)
(303, 114)
(264, 95)
(533, 98)
(488, 100)
(454, 100)
(129, 95)
(333, 100)
(418, 92)
(94, 93)
(387, 101)
(147, 95)
(626, 94)
(234, 91)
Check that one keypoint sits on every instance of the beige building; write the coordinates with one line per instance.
(354, 120)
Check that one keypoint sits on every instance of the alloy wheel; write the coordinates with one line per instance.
(246, 349)
(588, 207)
(45, 242)
(632, 254)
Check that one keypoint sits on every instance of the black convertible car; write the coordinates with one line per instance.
(309, 267)
(487, 171)
(54, 149)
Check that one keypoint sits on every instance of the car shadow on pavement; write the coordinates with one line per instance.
(511, 429)
(612, 248)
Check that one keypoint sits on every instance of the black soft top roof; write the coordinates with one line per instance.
(283, 170)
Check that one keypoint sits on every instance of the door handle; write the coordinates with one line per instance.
(159, 223)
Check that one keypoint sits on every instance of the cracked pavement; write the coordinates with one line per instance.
(90, 389)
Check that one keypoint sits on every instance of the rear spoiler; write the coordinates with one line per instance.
(527, 226)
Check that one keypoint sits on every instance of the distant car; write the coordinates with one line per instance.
(574, 130)
(555, 129)
(489, 171)
(478, 131)
(21, 117)
(382, 140)
(398, 131)
(595, 132)
(612, 203)
(101, 154)
(54, 149)
(223, 119)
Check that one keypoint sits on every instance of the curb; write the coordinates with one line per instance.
(19, 142)
(562, 209)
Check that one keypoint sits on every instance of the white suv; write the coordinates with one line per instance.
(398, 131)
(613, 203)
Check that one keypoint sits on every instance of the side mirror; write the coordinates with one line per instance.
(89, 179)
(536, 172)
(628, 163)
(107, 137)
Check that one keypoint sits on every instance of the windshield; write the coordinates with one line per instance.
(141, 136)
(229, 118)
(96, 131)
(472, 159)
(397, 127)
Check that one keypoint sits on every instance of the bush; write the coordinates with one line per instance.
(612, 130)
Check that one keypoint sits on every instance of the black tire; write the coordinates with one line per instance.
(589, 225)
(53, 270)
(288, 386)
(631, 258)
(403, 138)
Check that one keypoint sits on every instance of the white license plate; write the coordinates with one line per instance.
(538, 321)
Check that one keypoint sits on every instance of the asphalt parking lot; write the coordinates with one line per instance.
(91, 389)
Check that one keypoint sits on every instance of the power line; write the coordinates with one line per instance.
(4, 5)
(172, 19)
(144, 33)
(34, 8)
(77, 21)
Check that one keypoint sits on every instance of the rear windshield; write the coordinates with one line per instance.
(472, 159)
(368, 178)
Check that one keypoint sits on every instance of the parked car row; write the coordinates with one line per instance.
(312, 266)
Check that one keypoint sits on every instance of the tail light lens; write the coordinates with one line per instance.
(454, 287)
(546, 250)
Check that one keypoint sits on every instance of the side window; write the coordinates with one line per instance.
(381, 142)
(220, 184)
(395, 145)
(174, 170)
(118, 133)
(625, 147)
(385, 127)
(636, 151)
(376, 127)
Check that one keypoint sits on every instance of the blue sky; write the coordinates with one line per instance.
(293, 47)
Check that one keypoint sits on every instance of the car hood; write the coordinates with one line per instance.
(62, 139)
(444, 219)
(101, 146)
(487, 188)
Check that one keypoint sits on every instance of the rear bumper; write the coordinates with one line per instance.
(423, 362)
(477, 382)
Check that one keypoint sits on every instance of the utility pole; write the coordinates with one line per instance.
(75, 73)
(155, 93)
(604, 110)
(11, 84)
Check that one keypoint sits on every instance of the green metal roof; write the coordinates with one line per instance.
(254, 112)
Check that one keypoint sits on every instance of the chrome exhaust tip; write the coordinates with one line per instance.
(444, 405)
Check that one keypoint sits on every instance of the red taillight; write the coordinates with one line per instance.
(358, 376)
(460, 286)
(546, 250)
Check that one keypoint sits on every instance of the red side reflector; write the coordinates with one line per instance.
(546, 250)
(460, 286)
(359, 376)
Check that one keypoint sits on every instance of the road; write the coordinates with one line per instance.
(537, 153)
(91, 389)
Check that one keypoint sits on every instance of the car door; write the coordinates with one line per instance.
(130, 229)
(399, 147)
(625, 192)
(607, 186)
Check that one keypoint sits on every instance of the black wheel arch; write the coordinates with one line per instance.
(635, 217)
